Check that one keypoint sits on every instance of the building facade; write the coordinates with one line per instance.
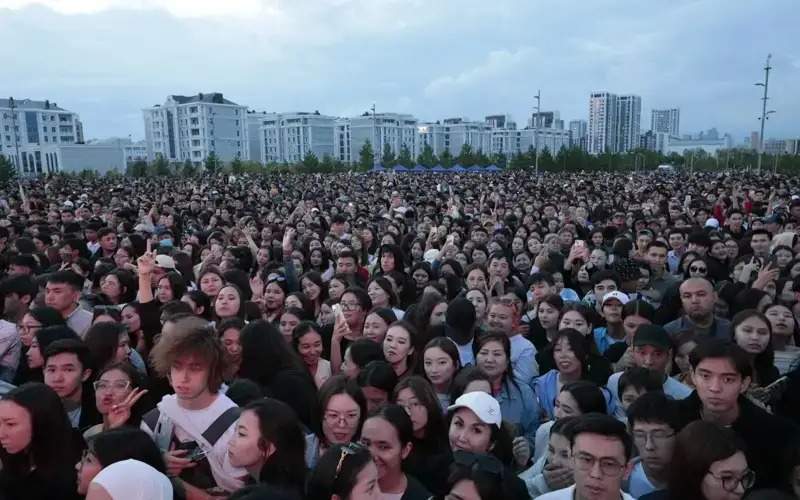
(667, 121)
(383, 130)
(341, 141)
(629, 115)
(452, 135)
(192, 127)
(578, 133)
(602, 127)
(509, 142)
(28, 127)
(290, 137)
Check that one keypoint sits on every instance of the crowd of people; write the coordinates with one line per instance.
(360, 337)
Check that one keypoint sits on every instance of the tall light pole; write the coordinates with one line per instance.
(538, 98)
(13, 105)
(375, 136)
(764, 113)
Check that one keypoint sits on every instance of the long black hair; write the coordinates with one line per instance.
(279, 426)
(51, 450)
(337, 471)
(126, 443)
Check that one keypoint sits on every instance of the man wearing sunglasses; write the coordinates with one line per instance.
(601, 451)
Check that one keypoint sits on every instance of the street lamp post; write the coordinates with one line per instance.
(375, 136)
(13, 105)
(538, 108)
(764, 113)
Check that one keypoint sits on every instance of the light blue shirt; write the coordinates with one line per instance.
(638, 484)
(519, 406)
(523, 359)
(603, 340)
(672, 388)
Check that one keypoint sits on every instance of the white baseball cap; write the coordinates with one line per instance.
(616, 294)
(165, 262)
(712, 222)
(483, 405)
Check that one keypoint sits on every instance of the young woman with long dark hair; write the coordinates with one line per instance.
(388, 433)
(269, 443)
(37, 448)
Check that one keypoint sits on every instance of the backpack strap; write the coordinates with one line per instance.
(221, 424)
(151, 419)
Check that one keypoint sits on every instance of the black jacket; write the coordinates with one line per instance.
(766, 437)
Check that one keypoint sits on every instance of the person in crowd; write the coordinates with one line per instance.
(708, 463)
(697, 298)
(611, 311)
(307, 342)
(654, 422)
(37, 446)
(479, 476)
(502, 320)
(62, 293)
(752, 331)
(785, 337)
(269, 443)
(18, 291)
(601, 451)
(574, 399)
(377, 381)
(32, 322)
(343, 409)
(722, 373)
(441, 363)
(68, 370)
(270, 362)
(117, 390)
(377, 323)
(388, 434)
(345, 472)
(653, 350)
(399, 348)
(553, 470)
(192, 357)
(516, 398)
(120, 464)
(430, 448)
(358, 355)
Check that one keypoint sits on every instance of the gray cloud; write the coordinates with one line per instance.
(107, 59)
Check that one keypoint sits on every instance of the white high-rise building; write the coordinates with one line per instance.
(30, 129)
(383, 130)
(578, 131)
(255, 136)
(192, 127)
(510, 141)
(452, 134)
(667, 121)
(341, 141)
(629, 115)
(602, 128)
(290, 137)
(614, 122)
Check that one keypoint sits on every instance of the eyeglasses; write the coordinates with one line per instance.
(730, 483)
(478, 462)
(333, 417)
(116, 386)
(275, 277)
(608, 466)
(657, 437)
(348, 449)
(349, 306)
(697, 269)
(29, 328)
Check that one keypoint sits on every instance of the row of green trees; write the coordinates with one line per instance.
(565, 160)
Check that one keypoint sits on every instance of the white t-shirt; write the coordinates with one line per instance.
(134, 480)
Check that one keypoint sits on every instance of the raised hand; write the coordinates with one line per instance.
(121, 413)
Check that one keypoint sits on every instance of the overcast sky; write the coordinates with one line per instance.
(108, 59)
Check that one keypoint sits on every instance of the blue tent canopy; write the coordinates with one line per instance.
(438, 168)
(475, 168)
(458, 168)
(493, 168)
(378, 168)
(419, 169)
(400, 168)
(458, 165)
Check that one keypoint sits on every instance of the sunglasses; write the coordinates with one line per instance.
(698, 269)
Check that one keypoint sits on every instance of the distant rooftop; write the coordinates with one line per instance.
(212, 98)
(31, 104)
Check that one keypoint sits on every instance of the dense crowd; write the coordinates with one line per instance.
(383, 336)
